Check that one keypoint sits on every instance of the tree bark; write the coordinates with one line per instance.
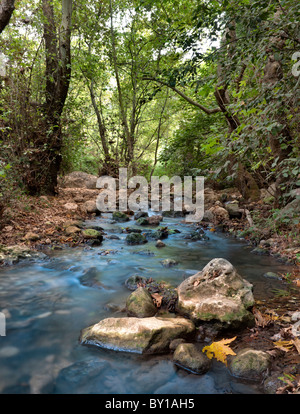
(6, 10)
(129, 138)
(58, 73)
(273, 73)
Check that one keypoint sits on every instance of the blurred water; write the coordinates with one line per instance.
(46, 306)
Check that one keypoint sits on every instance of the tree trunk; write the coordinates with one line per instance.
(6, 10)
(245, 183)
(47, 160)
(273, 73)
(120, 94)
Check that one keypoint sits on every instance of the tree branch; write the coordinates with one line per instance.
(185, 97)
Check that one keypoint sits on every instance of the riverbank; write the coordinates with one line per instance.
(41, 222)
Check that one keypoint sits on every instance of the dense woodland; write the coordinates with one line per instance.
(174, 87)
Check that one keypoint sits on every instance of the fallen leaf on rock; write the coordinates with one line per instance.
(219, 350)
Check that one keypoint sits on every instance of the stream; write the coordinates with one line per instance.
(46, 307)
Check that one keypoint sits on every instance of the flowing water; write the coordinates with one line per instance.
(46, 306)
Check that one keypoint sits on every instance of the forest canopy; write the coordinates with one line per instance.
(179, 87)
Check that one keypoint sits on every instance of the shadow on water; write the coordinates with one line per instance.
(46, 305)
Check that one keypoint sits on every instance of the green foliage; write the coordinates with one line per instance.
(161, 47)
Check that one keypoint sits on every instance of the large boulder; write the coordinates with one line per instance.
(140, 335)
(217, 293)
(78, 179)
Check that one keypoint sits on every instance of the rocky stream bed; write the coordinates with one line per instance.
(132, 309)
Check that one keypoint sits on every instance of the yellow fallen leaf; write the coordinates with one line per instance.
(285, 346)
(219, 350)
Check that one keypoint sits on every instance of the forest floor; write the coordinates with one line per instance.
(40, 222)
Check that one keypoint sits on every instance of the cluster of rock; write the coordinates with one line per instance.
(10, 255)
(216, 296)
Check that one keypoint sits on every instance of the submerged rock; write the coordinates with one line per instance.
(133, 281)
(196, 235)
(120, 216)
(140, 214)
(272, 275)
(91, 279)
(140, 304)
(169, 262)
(188, 356)
(150, 221)
(135, 238)
(161, 233)
(140, 335)
(81, 377)
(218, 293)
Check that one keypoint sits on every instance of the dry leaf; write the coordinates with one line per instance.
(264, 320)
(157, 299)
(296, 342)
(285, 346)
(219, 350)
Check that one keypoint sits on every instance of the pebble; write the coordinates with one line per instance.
(9, 351)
